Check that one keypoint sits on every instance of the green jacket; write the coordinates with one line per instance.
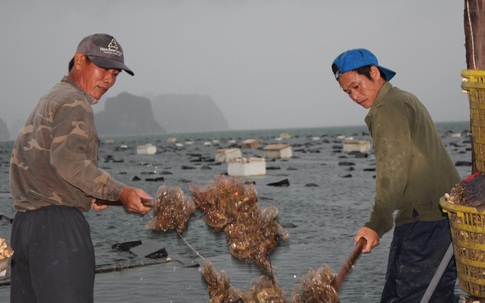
(54, 159)
(413, 167)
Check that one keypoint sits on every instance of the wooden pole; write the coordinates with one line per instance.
(474, 25)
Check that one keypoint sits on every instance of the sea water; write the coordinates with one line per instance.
(324, 206)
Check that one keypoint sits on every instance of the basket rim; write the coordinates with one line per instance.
(459, 208)
(467, 73)
(473, 85)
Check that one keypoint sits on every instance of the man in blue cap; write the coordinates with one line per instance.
(413, 170)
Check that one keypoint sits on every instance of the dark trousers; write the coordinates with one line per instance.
(415, 254)
(53, 259)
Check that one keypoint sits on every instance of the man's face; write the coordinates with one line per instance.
(95, 80)
(361, 89)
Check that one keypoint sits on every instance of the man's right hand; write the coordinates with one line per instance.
(370, 235)
(131, 198)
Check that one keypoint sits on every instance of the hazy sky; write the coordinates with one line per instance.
(266, 64)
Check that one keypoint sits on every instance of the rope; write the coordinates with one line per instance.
(198, 254)
(191, 247)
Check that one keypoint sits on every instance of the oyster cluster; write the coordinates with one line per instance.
(222, 198)
(232, 206)
(470, 192)
(252, 233)
(172, 210)
(262, 289)
(266, 290)
(315, 287)
(5, 251)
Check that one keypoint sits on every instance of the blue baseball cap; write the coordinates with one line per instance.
(355, 58)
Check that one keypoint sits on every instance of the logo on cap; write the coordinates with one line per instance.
(112, 49)
(113, 44)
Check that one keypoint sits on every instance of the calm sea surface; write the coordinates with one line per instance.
(324, 206)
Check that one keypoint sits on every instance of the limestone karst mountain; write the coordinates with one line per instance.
(126, 115)
(179, 113)
(4, 134)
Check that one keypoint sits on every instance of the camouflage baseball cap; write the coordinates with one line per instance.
(104, 51)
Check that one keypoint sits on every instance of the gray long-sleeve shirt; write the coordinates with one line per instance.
(413, 167)
(54, 159)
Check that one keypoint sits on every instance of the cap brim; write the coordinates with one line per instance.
(110, 64)
(389, 74)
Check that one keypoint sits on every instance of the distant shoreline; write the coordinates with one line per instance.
(454, 126)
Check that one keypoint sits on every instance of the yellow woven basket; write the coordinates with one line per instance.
(474, 84)
(468, 236)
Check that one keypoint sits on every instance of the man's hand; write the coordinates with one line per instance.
(370, 235)
(98, 205)
(131, 199)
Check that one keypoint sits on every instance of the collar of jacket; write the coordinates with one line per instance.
(90, 99)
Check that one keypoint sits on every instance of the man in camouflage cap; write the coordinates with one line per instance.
(54, 177)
